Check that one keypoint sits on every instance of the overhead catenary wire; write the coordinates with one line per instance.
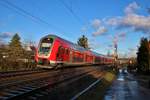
(19, 13)
(72, 12)
(30, 16)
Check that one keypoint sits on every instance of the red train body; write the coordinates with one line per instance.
(53, 51)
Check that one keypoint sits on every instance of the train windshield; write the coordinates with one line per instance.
(45, 45)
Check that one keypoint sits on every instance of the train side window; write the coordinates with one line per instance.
(67, 51)
(60, 50)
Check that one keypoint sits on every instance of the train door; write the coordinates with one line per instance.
(60, 54)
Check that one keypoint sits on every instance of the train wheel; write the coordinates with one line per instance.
(60, 65)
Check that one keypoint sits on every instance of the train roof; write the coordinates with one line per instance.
(77, 47)
(97, 54)
(73, 45)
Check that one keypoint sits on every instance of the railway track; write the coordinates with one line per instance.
(29, 84)
(18, 73)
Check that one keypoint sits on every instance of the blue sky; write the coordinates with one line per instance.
(104, 22)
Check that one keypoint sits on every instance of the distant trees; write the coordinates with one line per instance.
(14, 57)
(83, 41)
(143, 56)
(16, 50)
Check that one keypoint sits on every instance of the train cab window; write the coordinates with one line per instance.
(46, 45)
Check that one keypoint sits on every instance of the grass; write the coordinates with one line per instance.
(17, 67)
(99, 90)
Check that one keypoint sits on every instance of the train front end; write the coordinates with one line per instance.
(44, 50)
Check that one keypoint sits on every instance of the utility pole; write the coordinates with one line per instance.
(116, 55)
(116, 50)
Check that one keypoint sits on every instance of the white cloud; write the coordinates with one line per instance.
(132, 52)
(5, 35)
(100, 31)
(113, 21)
(98, 27)
(96, 23)
(134, 22)
(131, 20)
(131, 8)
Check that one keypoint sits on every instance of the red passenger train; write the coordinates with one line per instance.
(54, 51)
